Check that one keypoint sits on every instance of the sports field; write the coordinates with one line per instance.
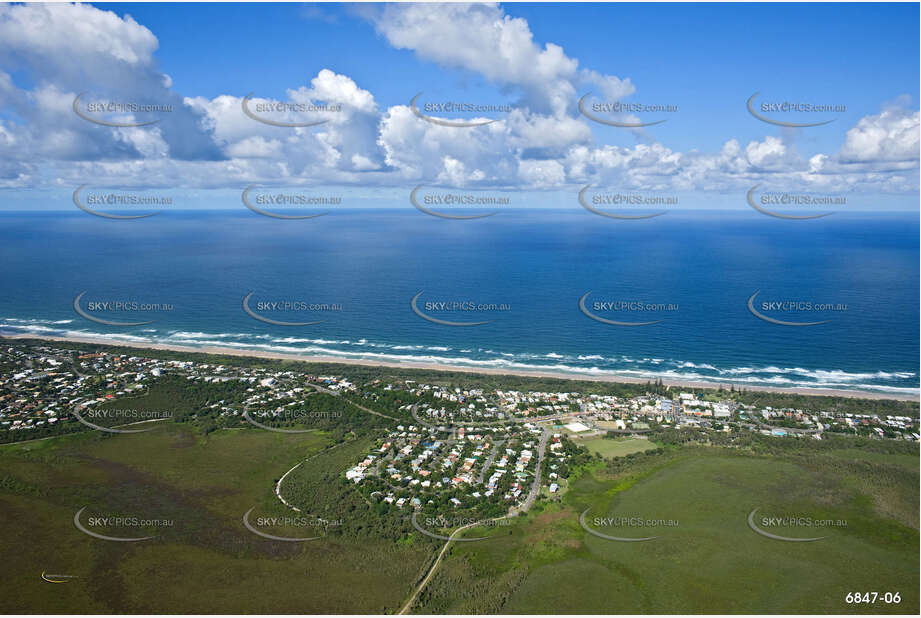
(617, 447)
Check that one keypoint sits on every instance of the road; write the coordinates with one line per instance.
(488, 462)
(73, 362)
(793, 430)
(465, 424)
(441, 554)
(320, 389)
(65, 359)
(414, 410)
(296, 466)
(528, 503)
(625, 432)
(535, 485)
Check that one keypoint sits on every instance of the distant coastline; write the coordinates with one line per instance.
(227, 351)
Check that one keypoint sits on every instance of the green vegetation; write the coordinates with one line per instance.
(370, 558)
(204, 466)
(362, 374)
(618, 447)
(206, 562)
(711, 562)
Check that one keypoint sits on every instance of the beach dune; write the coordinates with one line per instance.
(464, 369)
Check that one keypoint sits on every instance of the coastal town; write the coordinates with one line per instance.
(41, 385)
(448, 435)
(433, 453)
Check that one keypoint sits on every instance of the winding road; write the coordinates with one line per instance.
(528, 503)
(320, 389)
(441, 554)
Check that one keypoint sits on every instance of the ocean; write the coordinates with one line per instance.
(522, 272)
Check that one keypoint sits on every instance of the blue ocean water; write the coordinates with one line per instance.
(537, 262)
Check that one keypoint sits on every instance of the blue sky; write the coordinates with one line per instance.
(706, 59)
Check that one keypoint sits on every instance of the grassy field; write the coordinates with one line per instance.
(617, 447)
(205, 561)
(711, 561)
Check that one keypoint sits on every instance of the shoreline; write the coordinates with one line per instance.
(261, 354)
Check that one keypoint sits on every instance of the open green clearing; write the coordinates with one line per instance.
(616, 447)
(206, 562)
(711, 562)
(202, 472)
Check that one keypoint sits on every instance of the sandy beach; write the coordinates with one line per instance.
(463, 369)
